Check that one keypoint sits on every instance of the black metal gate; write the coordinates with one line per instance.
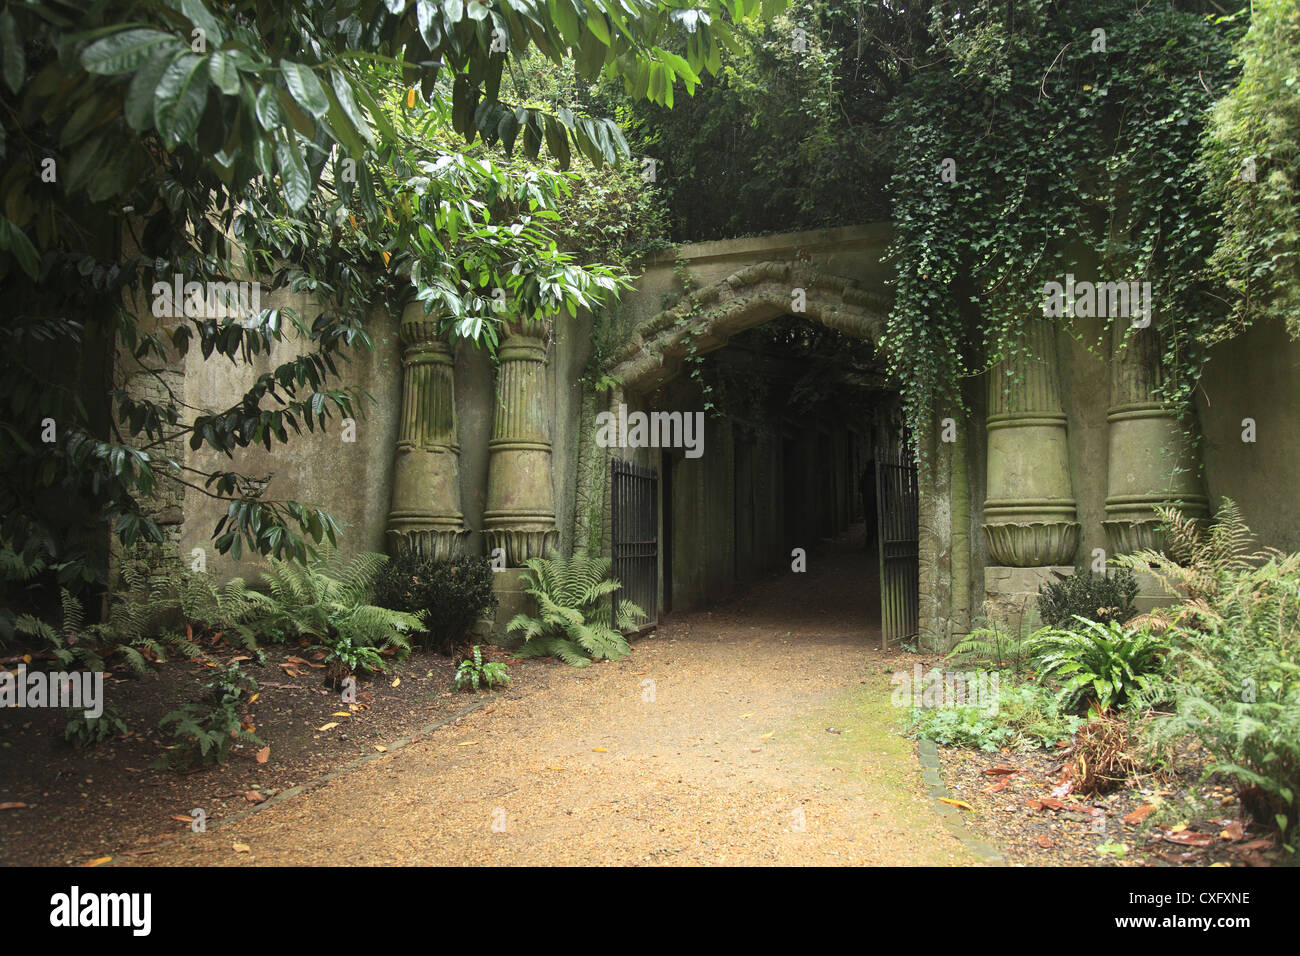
(634, 520)
(898, 536)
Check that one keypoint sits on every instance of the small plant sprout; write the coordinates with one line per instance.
(472, 672)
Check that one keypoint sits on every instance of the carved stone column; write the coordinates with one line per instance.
(1030, 510)
(520, 510)
(426, 515)
(1151, 461)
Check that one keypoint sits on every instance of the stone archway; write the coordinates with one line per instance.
(654, 352)
(755, 294)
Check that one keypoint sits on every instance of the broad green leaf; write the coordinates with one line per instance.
(343, 90)
(426, 13)
(341, 126)
(16, 241)
(269, 113)
(138, 107)
(566, 18)
(599, 28)
(224, 72)
(198, 14)
(178, 104)
(293, 173)
(306, 89)
(125, 51)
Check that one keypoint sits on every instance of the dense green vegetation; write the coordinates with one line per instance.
(212, 140)
(1219, 668)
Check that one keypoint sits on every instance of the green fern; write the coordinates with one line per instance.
(1198, 560)
(69, 643)
(574, 611)
(990, 646)
(325, 602)
(1105, 664)
(1233, 676)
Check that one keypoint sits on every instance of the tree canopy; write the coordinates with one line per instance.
(301, 140)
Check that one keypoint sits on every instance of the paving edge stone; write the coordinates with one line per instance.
(296, 791)
(928, 754)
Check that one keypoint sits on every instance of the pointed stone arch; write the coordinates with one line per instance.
(749, 297)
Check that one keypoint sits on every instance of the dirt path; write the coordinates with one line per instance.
(711, 745)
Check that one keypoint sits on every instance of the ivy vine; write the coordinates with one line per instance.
(1068, 133)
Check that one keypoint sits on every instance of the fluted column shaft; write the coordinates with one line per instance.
(426, 515)
(520, 512)
(1030, 510)
(1151, 462)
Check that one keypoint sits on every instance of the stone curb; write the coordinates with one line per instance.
(928, 753)
(291, 792)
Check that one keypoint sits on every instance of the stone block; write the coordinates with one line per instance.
(1011, 594)
(509, 588)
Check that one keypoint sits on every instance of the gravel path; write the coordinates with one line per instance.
(759, 733)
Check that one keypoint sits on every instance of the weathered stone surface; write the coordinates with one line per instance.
(1011, 595)
(1029, 510)
(426, 515)
(520, 512)
(512, 599)
(1151, 461)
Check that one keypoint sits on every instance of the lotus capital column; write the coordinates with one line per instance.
(426, 516)
(1030, 509)
(519, 516)
(1152, 462)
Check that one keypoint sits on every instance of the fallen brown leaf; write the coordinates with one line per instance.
(1233, 831)
(252, 796)
(1140, 814)
(1261, 844)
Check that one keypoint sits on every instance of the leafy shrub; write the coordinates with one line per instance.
(1104, 664)
(1027, 717)
(83, 731)
(573, 599)
(325, 601)
(1103, 598)
(207, 730)
(473, 671)
(451, 595)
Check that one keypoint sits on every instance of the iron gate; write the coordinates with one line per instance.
(898, 539)
(634, 521)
